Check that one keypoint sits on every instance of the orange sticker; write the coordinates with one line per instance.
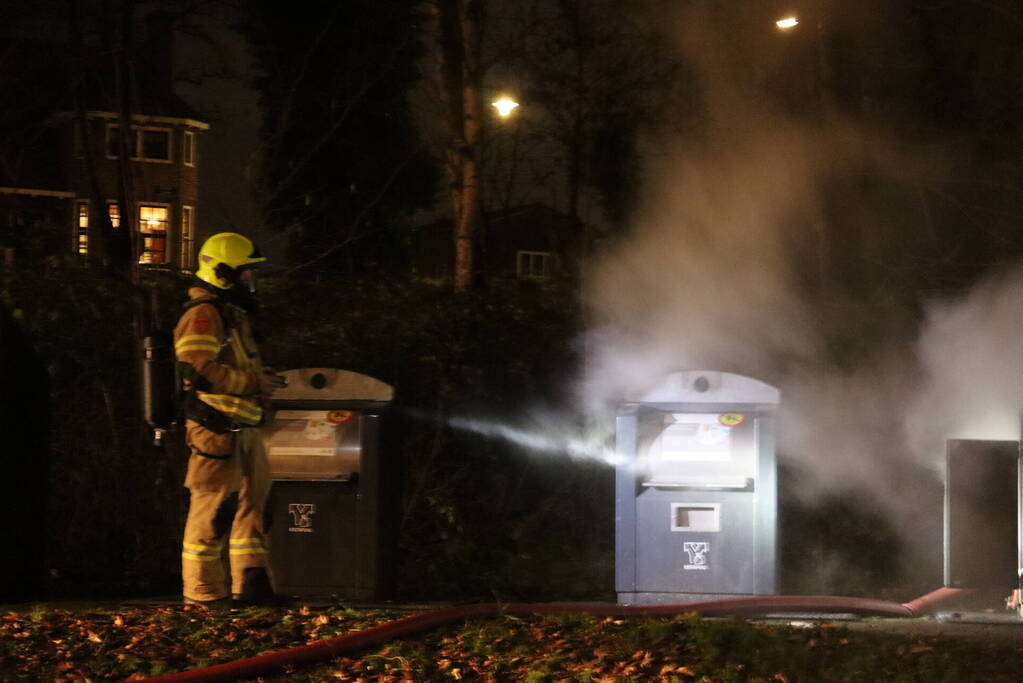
(731, 419)
(338, 417)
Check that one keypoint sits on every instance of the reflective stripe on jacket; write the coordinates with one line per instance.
(242, 410)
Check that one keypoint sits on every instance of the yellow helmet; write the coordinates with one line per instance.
(225, 249)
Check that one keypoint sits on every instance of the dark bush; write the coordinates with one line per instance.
(480, 517)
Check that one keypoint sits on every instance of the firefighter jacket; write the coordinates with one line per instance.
(220, 363)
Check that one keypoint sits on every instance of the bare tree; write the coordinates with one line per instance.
(591, 73)
(123, 89)
(459, 24)
(340, 165)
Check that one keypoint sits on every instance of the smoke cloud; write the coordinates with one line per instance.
(708, 278)
(972, 358)
(720, 271)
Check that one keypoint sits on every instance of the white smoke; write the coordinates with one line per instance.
(707, 279)
(717, 274)
(721, 270)
(972, 357)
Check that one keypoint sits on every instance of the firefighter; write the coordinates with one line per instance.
(226, 391)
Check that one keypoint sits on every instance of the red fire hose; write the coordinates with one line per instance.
(764, 604)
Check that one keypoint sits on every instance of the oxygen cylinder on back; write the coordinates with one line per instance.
(159, 384)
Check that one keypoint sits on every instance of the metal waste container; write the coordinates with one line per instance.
(334, 496)
(981, 513)
(696, 490)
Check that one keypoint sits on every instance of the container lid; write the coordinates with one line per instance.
(706, 386)
(332, 384)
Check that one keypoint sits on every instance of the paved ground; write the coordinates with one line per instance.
(985, 626)
(974, 626)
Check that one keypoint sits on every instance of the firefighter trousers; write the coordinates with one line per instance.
(228, 502)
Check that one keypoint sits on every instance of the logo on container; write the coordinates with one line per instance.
(697, 551)
(302, 517)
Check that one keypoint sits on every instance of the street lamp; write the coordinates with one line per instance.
(504, 106)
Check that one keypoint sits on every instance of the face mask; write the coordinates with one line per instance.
(248, 281)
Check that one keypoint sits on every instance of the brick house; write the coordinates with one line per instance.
(46, 190)
(165, 178)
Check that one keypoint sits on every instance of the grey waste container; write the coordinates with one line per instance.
(696, 490)
(333, 503)
(981, 509)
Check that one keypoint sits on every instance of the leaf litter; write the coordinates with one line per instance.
(133, 643)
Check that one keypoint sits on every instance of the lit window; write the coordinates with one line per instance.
(82, 230)
(188, 148)
(82, 226)
(187, 235)
(533, 264)
(153, 227)
(147, 144)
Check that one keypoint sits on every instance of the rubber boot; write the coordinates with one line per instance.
(258, 590)
(217, 605)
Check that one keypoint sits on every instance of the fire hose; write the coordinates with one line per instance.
(734, 607)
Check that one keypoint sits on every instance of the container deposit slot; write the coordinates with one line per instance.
(699, 450)
(314, 445)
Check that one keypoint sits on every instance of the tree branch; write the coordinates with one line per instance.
(352, 236)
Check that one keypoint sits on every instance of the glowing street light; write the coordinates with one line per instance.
(504, 106)
(787, 23)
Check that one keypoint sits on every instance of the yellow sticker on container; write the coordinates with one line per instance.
(731, 419)
(338, 417)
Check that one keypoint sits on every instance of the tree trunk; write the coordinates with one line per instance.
(102, 248)
(576, 138)
(129, 235)
(458, 24)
